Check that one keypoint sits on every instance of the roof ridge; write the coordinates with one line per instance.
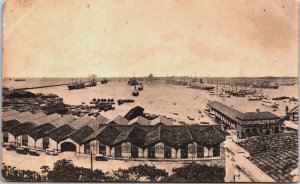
(189, 133)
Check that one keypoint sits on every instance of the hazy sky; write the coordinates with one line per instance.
(72, 38)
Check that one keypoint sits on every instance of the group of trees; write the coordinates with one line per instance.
(64, 170)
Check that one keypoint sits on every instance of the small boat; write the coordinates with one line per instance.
(140, 87)
(212, 115)
(133, 81)
(269, 103)
(135, 93)
(207, 110)
(19, 80)
(175, 113)
(92, 82)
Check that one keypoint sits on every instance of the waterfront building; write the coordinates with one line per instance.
(247, 124)
(160, 120)
(268, 158)
(139, 121)
(8, 127)
(39, 133)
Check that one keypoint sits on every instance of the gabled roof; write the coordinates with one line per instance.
(123, 135)
(40, 131)
(15, 116)
(22, 128)
(258, 116)
(119, 120)
(226, 110)
(9, 112)
(160, 120)
(93, 135)
(46, 119)
(31, 117)
(81, 134)
(80, 122)
(175, 136)
(60, 133)
(63, 120)
(108, 135)
(100, 120)
(206, 135)
(139, 120)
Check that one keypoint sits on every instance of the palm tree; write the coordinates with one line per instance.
(45, 169)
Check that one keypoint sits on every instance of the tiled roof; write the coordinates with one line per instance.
(63, 120)
(21, 128)
(40, 131)
(98, 121)
(80, 122)
(206, 136)
(9, 112)
(93, 135)
(139, 120)
(108, 135)
(160, 120)
(15, 116)
(81, 134)
(228, 111)
(123, 135)
(61, 132)
(276, 154)
(47, 119)
(175, 136)
(258, 116)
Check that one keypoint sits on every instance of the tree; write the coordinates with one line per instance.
(45, 170)
(197, 173)
(139, 173)
(63, 170)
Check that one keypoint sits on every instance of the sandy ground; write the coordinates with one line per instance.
(34, 163)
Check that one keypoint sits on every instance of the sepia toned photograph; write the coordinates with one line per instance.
(189, 91)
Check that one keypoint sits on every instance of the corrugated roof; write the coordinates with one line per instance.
(46, 119)
(258, 116)
(63, 120)
(160, 120)
(78, 123)
(139, 120)
(16, 116)
(276, 154)
(226, 110)
(9, 112)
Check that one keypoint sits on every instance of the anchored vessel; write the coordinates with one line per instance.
(269, 103)
(265, 84)
(92, 82)
(21, 79)
(76, 85)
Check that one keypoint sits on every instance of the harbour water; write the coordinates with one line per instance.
(156, 98)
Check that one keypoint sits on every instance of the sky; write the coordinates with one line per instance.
(218, 38)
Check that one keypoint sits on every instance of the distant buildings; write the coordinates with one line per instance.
(247, 124)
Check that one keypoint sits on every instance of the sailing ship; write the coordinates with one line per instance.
(265, 84)
(92, 82)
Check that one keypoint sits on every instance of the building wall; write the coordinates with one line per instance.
(39, 144)
(53, 144)
(239, 168)
(126, 149)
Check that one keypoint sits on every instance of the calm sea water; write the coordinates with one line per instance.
(156, 98)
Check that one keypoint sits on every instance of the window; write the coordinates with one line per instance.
(87, 148)
(45, 142)
(216, 150)
(25, 139)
